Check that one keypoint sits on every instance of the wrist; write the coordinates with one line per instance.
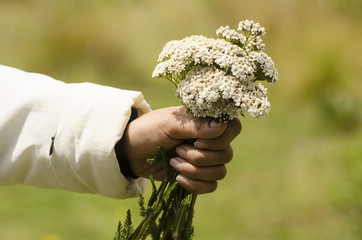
(122, 152)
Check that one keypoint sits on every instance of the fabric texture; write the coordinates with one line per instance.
(58, 135)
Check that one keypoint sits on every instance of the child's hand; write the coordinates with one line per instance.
(200, 166)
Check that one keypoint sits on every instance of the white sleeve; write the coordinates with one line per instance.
(80, 122)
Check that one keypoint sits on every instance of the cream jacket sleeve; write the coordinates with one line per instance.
(58, 135)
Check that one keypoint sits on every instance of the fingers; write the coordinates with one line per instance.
(202, 165)
(183, 125)
(196, 186)
(221, 142)
(210, 173)
(200, 169)
(197, 180)
(204, 158)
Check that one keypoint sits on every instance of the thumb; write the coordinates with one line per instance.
(186, 126)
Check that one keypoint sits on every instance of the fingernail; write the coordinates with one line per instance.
(200, 145)
(214, 124)
(181, 152)
(180, 179)
(174, 163)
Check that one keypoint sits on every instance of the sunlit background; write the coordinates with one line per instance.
(296, 174)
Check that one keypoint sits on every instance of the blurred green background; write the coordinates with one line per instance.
(296, 174)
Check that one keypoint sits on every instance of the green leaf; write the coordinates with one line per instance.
(118, 232)
(153, 196)
(166, 165)
(127, 230)
(141, 203)
(168, 194)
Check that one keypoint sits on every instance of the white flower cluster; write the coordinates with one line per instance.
(217, 77)
(250, 43)
(178, 56)
(251, 27)
(211, 92)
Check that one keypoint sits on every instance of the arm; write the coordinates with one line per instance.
(57, 135)
(80, 122)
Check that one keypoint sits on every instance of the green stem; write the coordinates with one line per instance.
(248, 38)
(144, 226)
(152, 215)
(193, 200)
(189, 216)
(173, 81)
(176, 234)
(168, 199)
(171, 217)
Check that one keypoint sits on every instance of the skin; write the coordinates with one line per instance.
(200, 166)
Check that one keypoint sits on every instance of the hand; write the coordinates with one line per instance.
(200, 166)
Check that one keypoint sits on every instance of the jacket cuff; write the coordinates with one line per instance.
(92, 121)
(122, 157)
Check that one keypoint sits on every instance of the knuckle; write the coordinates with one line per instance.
(165, 124)
(204, 187)
(195, 157)
(207, 187)
(201, 128)
(228, 154)
(212, 186)
(189, 170)
(236, 126)
(222, 173)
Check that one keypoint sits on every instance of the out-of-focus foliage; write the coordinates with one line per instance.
(295, 175)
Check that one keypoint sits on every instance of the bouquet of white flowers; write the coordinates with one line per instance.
(215, 78)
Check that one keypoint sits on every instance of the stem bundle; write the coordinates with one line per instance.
(169, 212)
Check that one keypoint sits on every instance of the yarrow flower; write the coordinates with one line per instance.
(250, 27)
(217, 78)
(211, 92)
